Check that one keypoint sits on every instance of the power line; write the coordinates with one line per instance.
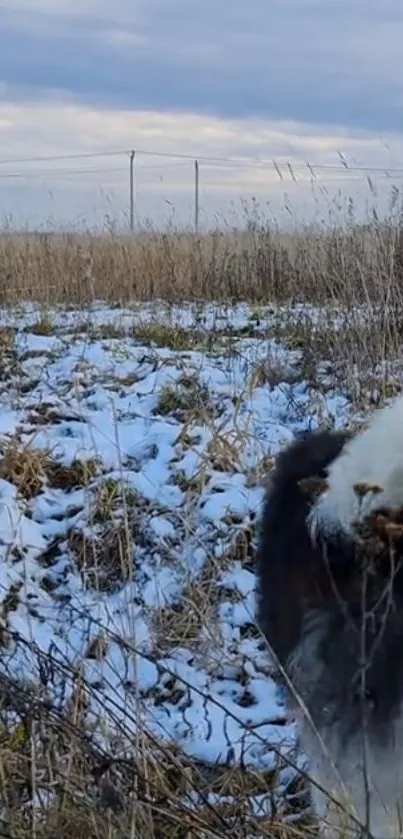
(61, 172)
(43, 173)
(234, 161)
(56, 157)
(126, 152)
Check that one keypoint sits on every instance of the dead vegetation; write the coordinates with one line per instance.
(28, 468)
(52, 756)
(24, 466)
(183, 622)
(105, 558)
(338, 269)
(353, 263)
(104, 547)
(187, 400)
(84, 790)
(43, 324)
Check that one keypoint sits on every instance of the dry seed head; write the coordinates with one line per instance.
(363, 489)
(394, 530)
(313, 486)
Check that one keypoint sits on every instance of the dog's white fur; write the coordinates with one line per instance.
(373, 457)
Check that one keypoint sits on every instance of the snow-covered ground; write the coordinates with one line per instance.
(134, 457)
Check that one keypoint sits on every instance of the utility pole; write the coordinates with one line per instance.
(131, 189)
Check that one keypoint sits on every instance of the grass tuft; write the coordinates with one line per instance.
(24, 466)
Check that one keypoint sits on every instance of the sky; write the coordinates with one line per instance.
(252, 82)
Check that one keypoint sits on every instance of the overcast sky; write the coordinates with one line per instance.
(291, 79)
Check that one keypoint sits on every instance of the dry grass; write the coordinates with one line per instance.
(51, 757)
(104, 550)
(104, 558)
(193, 619)
(360, 262)
(331, 267)
(24, 466)
(29, 468)
(94, 795)
(187, 400)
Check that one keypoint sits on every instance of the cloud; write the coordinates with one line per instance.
(295, 80)
(89, 188)
(306, 60)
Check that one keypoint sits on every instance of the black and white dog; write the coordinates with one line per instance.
(330, 603)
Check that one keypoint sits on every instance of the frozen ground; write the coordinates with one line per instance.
(134, 447)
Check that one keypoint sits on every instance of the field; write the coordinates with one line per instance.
(146, 386)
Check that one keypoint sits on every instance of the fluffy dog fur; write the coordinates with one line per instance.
(314, 572)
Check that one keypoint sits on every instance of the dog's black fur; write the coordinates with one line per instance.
(309, 599)
(285, 551)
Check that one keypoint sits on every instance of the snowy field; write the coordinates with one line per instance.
(134, 448)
